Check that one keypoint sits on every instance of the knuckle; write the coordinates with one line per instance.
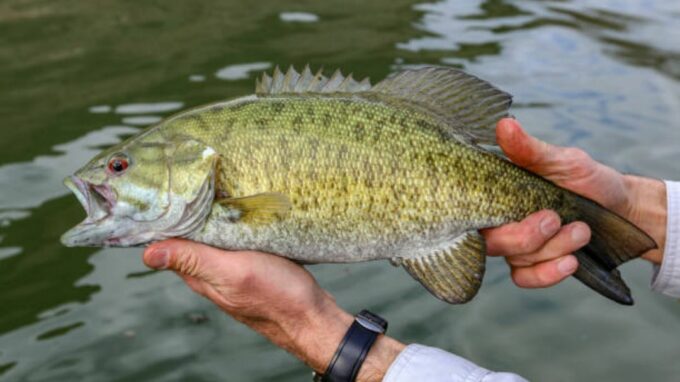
(521, 261)
(496, 241)
(519, 280)
(188, 262)
(546, 278)
(525, 242)
(550, 214)
(576, 155)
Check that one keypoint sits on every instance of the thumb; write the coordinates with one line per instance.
(182, 256)
(523, 149)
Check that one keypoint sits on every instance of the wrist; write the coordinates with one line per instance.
(647, 209)
(316, 341)
(383, 353)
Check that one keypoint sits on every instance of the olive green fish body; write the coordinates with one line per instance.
(322, 169)
(366, 179)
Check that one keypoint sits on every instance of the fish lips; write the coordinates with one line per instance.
(96, 229)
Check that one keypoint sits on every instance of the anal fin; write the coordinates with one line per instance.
(453, 274)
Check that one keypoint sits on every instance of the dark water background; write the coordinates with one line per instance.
(76, 76)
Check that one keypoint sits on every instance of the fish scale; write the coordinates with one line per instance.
(377, 185)
(320, 169)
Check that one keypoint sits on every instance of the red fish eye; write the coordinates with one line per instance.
(118, 165)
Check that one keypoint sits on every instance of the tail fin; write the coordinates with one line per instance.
(614, 241)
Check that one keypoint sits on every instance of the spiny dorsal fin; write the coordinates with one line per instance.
(469, 106)
(453, 274)
(307, 82)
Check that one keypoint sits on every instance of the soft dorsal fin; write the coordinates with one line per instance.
(469, 106)
(307, 82)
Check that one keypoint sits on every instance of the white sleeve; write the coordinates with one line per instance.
(423, 363)
(666, 278)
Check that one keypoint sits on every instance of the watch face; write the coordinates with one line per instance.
(369, 324)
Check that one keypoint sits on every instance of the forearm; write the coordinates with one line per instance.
(318, 345)
(648, 210)
(314, 336)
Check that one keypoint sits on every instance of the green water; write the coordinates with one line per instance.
(76, 76)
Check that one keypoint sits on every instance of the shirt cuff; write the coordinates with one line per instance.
(666, 278)
(423, 363)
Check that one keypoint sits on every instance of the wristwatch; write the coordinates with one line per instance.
(353, 348)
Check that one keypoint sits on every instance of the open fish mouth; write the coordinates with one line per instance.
(97, 200)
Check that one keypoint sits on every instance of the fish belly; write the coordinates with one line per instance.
(315, 242)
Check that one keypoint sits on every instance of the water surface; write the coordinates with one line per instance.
(78, 76)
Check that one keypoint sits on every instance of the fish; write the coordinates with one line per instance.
(329, 169)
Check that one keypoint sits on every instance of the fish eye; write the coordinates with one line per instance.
(118, 163)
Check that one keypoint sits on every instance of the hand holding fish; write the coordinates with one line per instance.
(273, 296)
(281, 300)
(537, 249)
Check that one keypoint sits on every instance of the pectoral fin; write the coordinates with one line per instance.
(454, 274)
(260, 208)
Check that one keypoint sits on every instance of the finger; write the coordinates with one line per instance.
(522, 148)
(184, 257)
(557, 163)
(569, 239)
(545, 274)
(239, 270)
(523, 237)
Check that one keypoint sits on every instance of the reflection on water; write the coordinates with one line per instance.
(298, 17)
(241, 71)
(602, 75)
(9, 251)
(196, 78)
(100, 109)
(144, 120)
(155, 107)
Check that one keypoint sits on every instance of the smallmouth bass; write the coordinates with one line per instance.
(320, 169)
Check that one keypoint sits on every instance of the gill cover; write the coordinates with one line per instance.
(192, 187)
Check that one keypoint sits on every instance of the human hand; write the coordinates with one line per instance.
(272, 295)
(539, 250)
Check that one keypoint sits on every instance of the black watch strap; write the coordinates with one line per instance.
(354, 347)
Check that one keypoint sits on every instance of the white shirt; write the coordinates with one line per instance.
(666, 278)
(423, 363)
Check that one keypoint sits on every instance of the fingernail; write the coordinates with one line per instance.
(567, 265)
(158, 259)
(549, 225)
(579, 234)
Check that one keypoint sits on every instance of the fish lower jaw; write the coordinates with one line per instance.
(107, 233)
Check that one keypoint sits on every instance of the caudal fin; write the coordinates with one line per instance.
(614, 241)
